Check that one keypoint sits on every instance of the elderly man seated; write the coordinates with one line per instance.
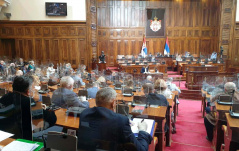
(153, 98)
(65, 97)
(149, 79)
(77, 78)
(210, 119)
(104, 124)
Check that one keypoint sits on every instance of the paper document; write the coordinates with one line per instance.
(4, 135)
(150, 126)
(21, 146)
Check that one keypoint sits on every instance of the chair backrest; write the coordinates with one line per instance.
(122, 109)
(103, 84)
(83, 93)
(235, 108)
(44, 87)
(46, 100)
(61, 141)
(225, 98)
(118, 85)
(140, 99)
(2, 92)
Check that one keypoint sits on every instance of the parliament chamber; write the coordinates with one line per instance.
(156, 75)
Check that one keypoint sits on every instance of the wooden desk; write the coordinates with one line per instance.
(158, 114)
(6, 141)
(231, 136)
(131, 68)
(196, 74)
(218, 137)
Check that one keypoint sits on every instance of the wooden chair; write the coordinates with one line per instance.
(61, 141)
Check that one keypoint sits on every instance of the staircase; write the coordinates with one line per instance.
(191, 94)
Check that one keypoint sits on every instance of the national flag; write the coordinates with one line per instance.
(144, 48)
(166, 47)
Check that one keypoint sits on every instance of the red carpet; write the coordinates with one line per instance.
(191, 133)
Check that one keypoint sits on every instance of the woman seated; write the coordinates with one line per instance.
(161, 88)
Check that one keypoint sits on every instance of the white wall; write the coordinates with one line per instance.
(35, 10)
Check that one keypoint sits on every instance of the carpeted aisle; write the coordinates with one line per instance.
(191, 133)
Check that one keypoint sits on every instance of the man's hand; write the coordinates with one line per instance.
(142, 126)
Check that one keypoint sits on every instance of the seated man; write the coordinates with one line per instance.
(65, 97)
(20, 100)
(92, 91)
(77, 78)
(153, 98)
(149, 79)
(106, 125)
(210, 119)
(144, 69)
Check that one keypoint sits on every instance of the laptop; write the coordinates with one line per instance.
(47, 101)
(88, 85)
(44, 89)
(234, 112)
(83, 93)
(225, 100)
(139, 101)
(75, 110)
(128, 92)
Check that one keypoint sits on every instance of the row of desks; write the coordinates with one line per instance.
(223, 118)
(158, 114)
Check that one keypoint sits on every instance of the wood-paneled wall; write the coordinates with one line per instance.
(45, 41)
(191, 25)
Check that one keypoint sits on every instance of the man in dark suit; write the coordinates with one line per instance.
(15, 109)
(153, 98)
(104, 124)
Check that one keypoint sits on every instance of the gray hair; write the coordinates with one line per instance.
(149, 78)
(229, 87)
(105, 96)
(66, 82)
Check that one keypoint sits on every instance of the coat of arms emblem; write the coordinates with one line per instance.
(155, 25)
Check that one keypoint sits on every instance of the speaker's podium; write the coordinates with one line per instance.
(101, 66)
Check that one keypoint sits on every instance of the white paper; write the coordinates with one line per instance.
(136, 121)
(20, 146)
(4, 135)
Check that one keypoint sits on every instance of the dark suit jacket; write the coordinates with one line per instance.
(143, 70)
(15, 110)
(157, 99)
(109, 126)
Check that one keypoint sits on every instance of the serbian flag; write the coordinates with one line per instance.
(144, 48)
(166, 47)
